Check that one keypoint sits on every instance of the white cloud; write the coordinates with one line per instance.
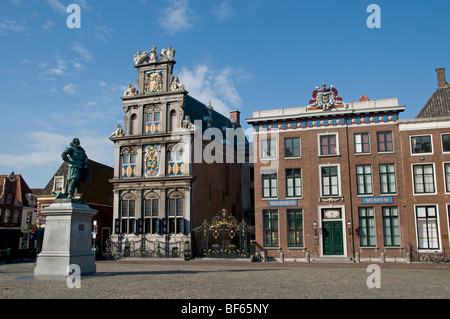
(103, 33)
(177, 17)
(43, 149)
(70, 88)
(57, 6)
(16, 2)
(61, 9)
(55, 71)
(206, 84)
(48, 25)
(11, 25)
(223, 11)
(82, 51)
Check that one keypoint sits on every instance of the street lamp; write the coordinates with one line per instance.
(315, 228)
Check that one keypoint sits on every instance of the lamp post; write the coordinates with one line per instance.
(315, 228)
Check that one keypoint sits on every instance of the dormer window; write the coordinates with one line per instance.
(58, 183)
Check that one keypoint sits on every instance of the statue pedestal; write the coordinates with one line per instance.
(67, 240)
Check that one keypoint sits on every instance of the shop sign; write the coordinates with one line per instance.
(283, 203)
(377, 200)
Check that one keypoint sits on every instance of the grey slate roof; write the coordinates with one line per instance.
(438, 105)
(199, 111)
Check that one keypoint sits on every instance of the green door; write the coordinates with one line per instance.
(333, 243)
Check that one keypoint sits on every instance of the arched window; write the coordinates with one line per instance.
(133, 124)
(173, 120)
(151, 213)
(152, 121)
(128, 163)
(128, 213)
(175, 160)
(175, 208)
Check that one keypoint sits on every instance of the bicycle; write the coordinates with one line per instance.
(439, 257)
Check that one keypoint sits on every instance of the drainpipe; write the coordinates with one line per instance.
(351, 197)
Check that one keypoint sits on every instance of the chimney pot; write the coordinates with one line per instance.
(441, 77)
(235, 116)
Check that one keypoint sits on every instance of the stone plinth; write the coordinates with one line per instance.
(67, 240)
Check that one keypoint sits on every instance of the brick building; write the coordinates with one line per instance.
(170, 172)
(352, 180)
(426, 159)
(17, 214)
(98, 194)
(324, 176)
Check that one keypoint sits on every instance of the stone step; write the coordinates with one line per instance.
(332, 260)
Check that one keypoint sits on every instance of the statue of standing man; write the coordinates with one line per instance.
(78, 167)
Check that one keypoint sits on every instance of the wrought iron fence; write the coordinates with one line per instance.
(224, 236)
(147, 248)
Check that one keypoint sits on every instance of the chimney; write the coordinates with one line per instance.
(441, 77)
(235, 116)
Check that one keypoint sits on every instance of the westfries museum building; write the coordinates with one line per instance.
(165, 184)
(351, 180)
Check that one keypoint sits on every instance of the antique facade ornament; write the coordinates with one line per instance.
(167, 55)
(131, 91)
(151, 160)
(153, 81)
(176, 85)
(325, 98)
(118, 132)
(153, 55)
(364, 98)
(187, 124)
(140, 57)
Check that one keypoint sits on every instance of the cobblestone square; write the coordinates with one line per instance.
(232, 279)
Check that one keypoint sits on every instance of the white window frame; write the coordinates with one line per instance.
(420, 154)
(393, 143)
(447, 191)
(371, 179)
(299, 145)
(413, 182)
(338, 176)
(354, 143)
(336, 135)
(439, 234)
(54, 183)
(272, 157)
(442, 144)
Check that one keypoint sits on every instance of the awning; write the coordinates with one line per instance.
(10, 233)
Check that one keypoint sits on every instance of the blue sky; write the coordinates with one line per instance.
(57, 83)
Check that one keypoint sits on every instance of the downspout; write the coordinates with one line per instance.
(350, 231)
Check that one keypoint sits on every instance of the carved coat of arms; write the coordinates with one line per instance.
(325, 98)
(151, 161)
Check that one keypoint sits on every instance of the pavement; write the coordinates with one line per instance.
(203, 279)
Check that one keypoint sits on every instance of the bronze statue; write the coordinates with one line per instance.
(78, 167)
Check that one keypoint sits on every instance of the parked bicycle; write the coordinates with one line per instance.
(439, 257)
